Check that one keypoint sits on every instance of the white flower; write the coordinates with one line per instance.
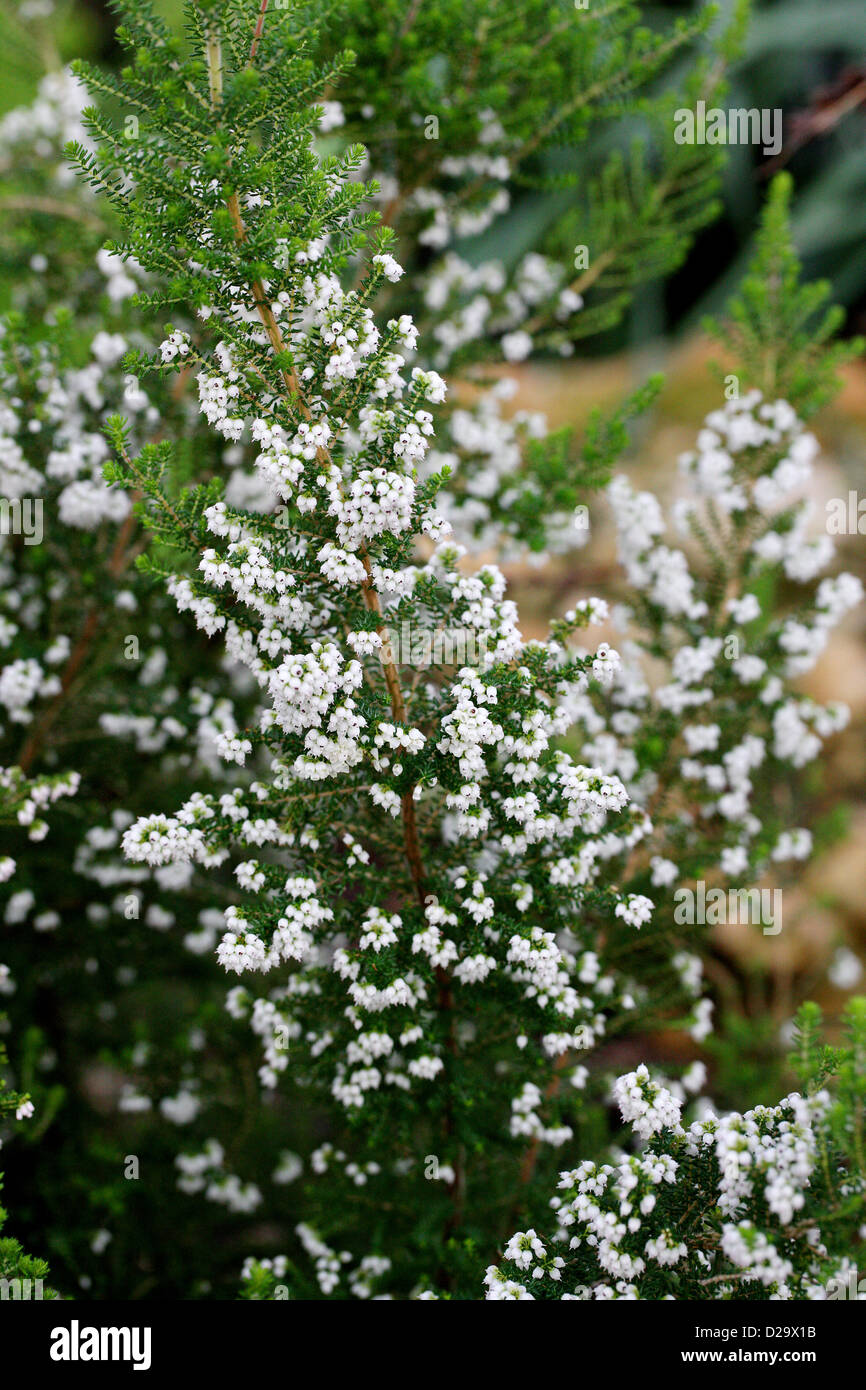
(516, 346)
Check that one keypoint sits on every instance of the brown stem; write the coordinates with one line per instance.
(581, 283)
(260, 24)
(53, 207)
(530, 1158)
(35, 741)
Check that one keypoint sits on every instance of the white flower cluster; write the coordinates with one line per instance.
(52, 447)
(746, 479)
(25, 799)
(621, 1223)
(48, 124)
(205, 1172)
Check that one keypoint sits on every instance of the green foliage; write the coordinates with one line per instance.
(780, 328)
(767, 1204)
(14, 1263)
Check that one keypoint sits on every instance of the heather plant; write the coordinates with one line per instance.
(87, 684)
(452, 906)
(455, 855)
(768, 1204)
